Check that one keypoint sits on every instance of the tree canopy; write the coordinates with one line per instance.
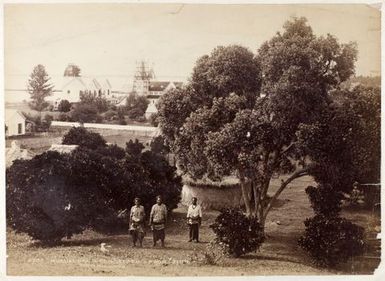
(244, 114)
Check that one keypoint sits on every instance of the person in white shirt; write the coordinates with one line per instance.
(194, 219)
(137, 216)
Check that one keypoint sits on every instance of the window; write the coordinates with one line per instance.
(20, 128)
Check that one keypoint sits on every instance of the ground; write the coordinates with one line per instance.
(279, 255)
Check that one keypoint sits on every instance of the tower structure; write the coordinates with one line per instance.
(142, 78)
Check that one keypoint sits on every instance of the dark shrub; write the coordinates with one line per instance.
(135, 113)
(162, 179)
(101, 104)
(113, 151)
(38, 199)
(134, 148)
(111, 115)
(64, 117)
(57, 195)
(239, 233)
(84, 138)
(64, 106)
(158, 145)
(153, 119)
(85, 113)
(331, 240)
(324, 199)
(40, 124)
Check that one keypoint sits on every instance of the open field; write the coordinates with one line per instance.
(279, 255)
(40, 142)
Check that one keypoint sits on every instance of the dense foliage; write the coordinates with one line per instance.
(332, 240)
(86, 113)
(136, 106)
(239, 233)
(37, 123)
(256, 115)
(100, 103)
(57, 195)
(64, 106)
(325, 200)
(82, 137)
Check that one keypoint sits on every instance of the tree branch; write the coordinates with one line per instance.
(284, 184)
(288, 148)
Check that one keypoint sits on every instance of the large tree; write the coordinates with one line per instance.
(39, 87)
(242, 113)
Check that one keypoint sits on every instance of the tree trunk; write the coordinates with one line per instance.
(245, 196)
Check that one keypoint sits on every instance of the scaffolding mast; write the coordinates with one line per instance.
(143, 75)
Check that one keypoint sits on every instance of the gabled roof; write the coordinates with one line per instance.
(158, 86)
(11, 113)
(178, 85)
(70, 80)
(151, 108)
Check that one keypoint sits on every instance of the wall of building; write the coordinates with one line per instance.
(13, 125)
(213, 197)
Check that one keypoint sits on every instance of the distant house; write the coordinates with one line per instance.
(151, 109)
(14, 123)
(74, 87)
(155, 90)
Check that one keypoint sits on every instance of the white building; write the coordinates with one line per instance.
(74, 87)
(155, 90)
(14, 122)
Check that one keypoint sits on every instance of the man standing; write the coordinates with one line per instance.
(158, 220)
(194, 219)
(137, 222)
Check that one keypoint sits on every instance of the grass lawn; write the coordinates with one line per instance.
(279, 255)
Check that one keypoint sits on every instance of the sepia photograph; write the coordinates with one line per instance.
(192, 139)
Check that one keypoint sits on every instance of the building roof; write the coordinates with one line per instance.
(12, 113)
(158, 85)
(178, 85)
(151, 108)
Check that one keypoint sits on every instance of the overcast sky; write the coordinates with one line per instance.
(107, 39)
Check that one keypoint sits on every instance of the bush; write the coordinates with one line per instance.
(135, 113)
(158, 145)
(38, 202)
(64, 106)
(111, 115)
(40, 124)
(324, 199)
(239, 233)
(84, 138)
(85, 113)
(57, 195)
(332, 240)
(101, 104)
(153, 119)
(64, 117)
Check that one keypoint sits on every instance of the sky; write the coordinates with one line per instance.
(107, 40)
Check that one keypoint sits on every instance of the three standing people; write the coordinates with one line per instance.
(194, 219)
(158, 220)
